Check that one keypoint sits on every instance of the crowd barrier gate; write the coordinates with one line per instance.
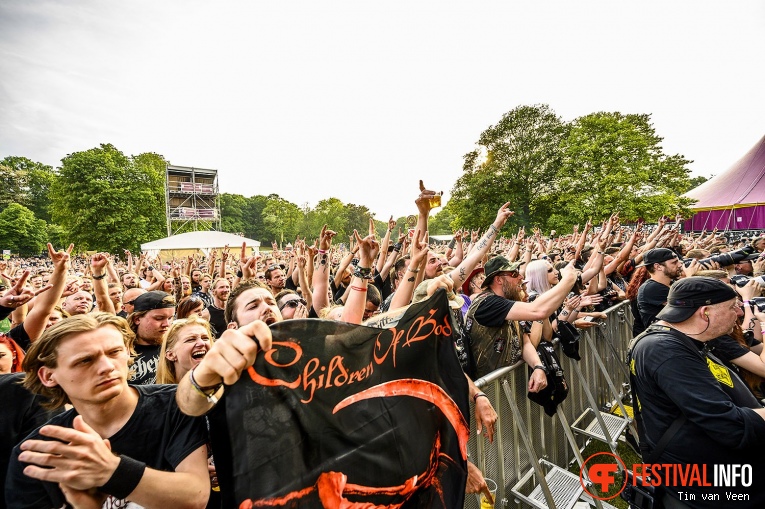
(506, 460)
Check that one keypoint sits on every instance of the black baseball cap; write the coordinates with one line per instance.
(657, 255)
(690, 293)
(153, 300)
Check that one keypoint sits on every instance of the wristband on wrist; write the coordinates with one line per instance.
(540, 366)
(208, 391)
(452, 243)
(397, 246)
(358, 288)
(363, 272)
(322, 251)
(478, 395)
(409, 269)
(125, 478)
(99, 278)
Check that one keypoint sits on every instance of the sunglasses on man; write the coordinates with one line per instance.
(292, 303)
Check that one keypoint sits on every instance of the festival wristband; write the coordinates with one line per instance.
(208, 392)
(125, 478)
(478, 395)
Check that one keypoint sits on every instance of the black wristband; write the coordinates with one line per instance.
(99, 278)
(452, 243)
(125, 479)
(397, 246)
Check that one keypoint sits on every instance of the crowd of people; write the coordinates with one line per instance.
(108, 363)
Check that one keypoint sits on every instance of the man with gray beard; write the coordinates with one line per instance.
(496, 338)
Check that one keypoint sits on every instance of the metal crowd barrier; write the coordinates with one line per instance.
(506, 460)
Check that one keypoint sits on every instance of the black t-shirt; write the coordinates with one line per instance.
(22, 413)
(157, 434)
(727, 349)
(144, 369)
(20, 336)
(221, 446)
(216, 320)
(492, 312)
(637, 323)
(651, 298)
(672, 376)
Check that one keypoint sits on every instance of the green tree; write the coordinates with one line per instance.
(697, 181)
(441, 223)
(26, 182)
(614, 162)
(255, 227)
(331, 212)
(516, 160)
(282, 219)
(357, 218)
(21, 231)
(233, 208)
(107, 201)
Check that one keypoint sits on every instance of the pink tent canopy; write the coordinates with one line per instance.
(735, 199)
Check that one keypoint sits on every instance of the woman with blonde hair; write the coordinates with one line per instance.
(186, 344)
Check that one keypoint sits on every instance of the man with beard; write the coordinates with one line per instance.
(691, 410)
(130, 280)
(491, 321)
(664, 267)
(250, 309)
(151, 317)
(220, 292)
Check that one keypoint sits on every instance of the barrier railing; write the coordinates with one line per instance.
(506, 460)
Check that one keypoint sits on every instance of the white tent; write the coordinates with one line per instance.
(189, 243)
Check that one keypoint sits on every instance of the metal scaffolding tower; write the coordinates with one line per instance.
(192, 199)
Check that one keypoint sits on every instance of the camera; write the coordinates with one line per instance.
(759, 302)
(742, 280)
(725, 259)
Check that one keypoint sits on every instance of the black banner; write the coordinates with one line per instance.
(338, 415)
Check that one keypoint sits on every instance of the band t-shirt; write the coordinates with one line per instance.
(157, 434)
(144, 369)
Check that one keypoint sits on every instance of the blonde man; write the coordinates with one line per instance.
(119, 443)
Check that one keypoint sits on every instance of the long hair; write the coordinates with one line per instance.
(187, 305)
(44, 351)
(639, 277)
(536, 274)
(166, 373)
(16, 352)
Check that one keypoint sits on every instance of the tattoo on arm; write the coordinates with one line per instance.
(411, 279)
(463, 276)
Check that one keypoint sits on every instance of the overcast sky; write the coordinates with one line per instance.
(358, 99)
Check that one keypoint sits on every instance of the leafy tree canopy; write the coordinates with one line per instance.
(107, 201)
(516, 160)
(614, 162)
(21, 231)
(27, 183)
